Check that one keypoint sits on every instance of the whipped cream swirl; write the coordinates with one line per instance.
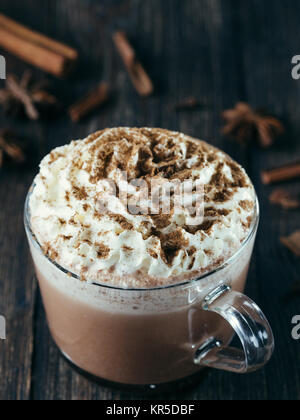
(138, 250)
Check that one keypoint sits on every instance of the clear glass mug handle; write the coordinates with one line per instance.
(250, 325)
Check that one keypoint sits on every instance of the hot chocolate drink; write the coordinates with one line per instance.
(123, 289)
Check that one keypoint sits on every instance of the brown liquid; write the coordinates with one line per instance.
(139, 349)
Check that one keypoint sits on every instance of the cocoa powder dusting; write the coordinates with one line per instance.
(172, 244)
(204, 227)
(123, 222)
(79, 193)
(148, 154)
(246, 205)
(145, 152)
(191, 265)
(192, 251)
(214, 212)
(103, 251)
(153, 253)
(127, 248)
(50, 252)
(161, 221)
(223, 196)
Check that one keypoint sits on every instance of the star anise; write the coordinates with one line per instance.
(9, 148)
(24, 96)
(284, 199)
(246, 125)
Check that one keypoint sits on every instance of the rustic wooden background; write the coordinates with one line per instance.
(219, 51)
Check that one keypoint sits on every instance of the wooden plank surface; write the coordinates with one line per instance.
(219, 51)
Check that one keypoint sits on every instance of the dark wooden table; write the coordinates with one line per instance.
(220, 51)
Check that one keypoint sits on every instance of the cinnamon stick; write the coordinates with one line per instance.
(89, 103)
(282, 173)
(35, 48)
(137, 73)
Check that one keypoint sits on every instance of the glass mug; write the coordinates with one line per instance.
(155, 336)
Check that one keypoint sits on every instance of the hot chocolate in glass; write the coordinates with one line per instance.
(146, 299)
